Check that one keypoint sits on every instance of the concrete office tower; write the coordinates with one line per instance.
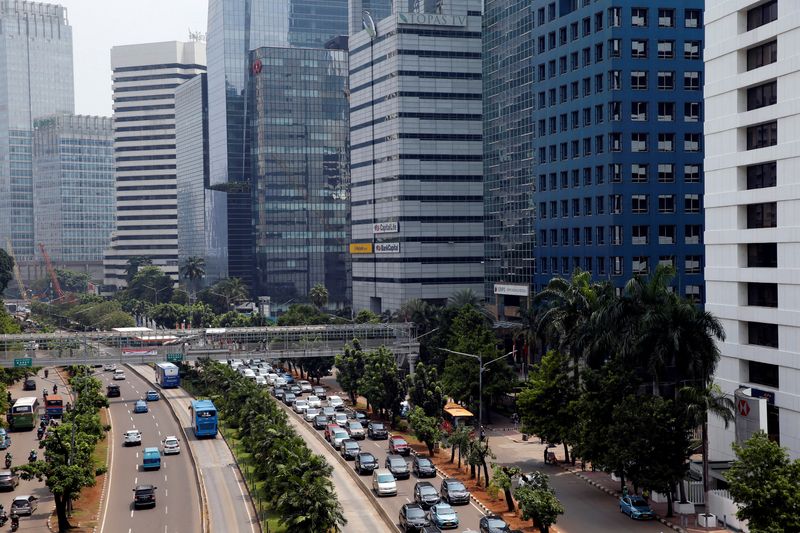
(608, 176)
(235, 27)
(73, 190)
(145, 77)
(752, 207)
(35, 81)
(416, 163)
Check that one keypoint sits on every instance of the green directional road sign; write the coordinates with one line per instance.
(23, 361)
(174, 357)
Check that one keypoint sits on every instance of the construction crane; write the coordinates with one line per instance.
(23, 292)
(52, 271)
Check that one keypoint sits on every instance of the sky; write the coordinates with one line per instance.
(97, 25)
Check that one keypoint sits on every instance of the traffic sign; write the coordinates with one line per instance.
(174, 357)
(23, 361)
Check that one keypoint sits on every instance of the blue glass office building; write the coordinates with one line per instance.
(611, 180)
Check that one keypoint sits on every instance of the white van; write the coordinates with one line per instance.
(383, 483)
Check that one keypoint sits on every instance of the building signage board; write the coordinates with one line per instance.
(431, 19)
(751, 415)
(23, 362)
(508, 289)
(385, 227)
(387, 248)
(361, 248)
(174, 357)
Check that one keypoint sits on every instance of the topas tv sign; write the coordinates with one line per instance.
(432, 19)
(385, 227)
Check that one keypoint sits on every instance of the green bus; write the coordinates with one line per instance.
(25, 413)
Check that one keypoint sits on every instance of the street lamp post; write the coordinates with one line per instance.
(481, 368)
(156, 291)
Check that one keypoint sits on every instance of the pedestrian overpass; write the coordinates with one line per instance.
(142, 345)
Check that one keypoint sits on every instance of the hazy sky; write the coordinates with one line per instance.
(97, 25)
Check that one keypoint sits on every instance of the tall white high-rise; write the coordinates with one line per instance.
(145, 77)
(752, 198)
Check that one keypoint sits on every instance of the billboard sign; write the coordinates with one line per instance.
(431, 19)
(361, 248)
(508, 289)
(751, 414)
(387, 248)
(385, 227)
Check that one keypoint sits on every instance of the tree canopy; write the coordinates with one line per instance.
(6, 270)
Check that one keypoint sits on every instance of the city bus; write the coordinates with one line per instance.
(54, 406)
(25, 413)
(167, 375)
(204, 418)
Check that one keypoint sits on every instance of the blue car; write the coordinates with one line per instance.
(152, 396)
(5, 440)
(289, 379)
(140, 407)
(443, 516)
(636, 508)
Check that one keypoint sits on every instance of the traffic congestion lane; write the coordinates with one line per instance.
(177, 498)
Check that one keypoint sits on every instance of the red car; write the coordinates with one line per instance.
(399, 446)
(329, 430)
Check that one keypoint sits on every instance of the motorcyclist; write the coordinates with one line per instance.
(44, 393)
(46, 373)
(14, 520)
(32, 456)
(55, 388)
(40, 433)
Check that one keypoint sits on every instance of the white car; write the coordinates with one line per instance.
(305, 386)
(314, 401)
(300, 406)
(271, 377)
(171, 445)
(119, 374)
(132, 436)
(383, 483)
(336, 402)
(338, 436)
(261, 380)
(279, 382)
(311, 413)
(340, 418)
(109, 367)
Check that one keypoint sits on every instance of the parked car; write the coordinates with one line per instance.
(453, 491)
(349, 449)
(425, 494)
(29, 384)
(365, 463)
(151, 396)
(112, 391)
(383, 483)
(289, 398)
(320, 421)
(310, 414)
(261, 381)
(8, 480)
(320, 392)
(443, 516)
(140, 406)
(355, 429)
(300, 406)
(336, 402)
(305, 386)
(329, 429)
(338, 437)
(636, 508)
(493, 524)
(329, 411)
(171, 445)
(399, 446)
(412, 517)
(377, 431)
(144, 496)
(423, 467)
(314, 401)
(397, 466)
(132, 437)
(24, 505)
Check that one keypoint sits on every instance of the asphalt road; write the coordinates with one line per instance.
(177, 498)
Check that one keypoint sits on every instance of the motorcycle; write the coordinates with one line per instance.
(32, 456)
(14, 523)
(8, 460)
(3, 518)
(41, 444)
(40, 433)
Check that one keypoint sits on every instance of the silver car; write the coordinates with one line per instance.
(24, 505)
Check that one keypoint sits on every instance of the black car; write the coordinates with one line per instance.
(349, 449)
(397, 466)
(289, 398)
(412, 517)
(144, 496)
(377, 431)
(279, 393)
(453, 491)
(112, 391)
(30, 384)
(361, 416)
(423, 467)
(425, 494)
(320, 393)
(297, 390)
(365, 463)
(320, 421)
(494, 524)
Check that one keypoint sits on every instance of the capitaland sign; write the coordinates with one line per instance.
(385, 227)
(431, 19)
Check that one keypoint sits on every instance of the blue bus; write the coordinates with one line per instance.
(167, 375)
(204, 418)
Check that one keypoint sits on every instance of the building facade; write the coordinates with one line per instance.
(416, 163)
(615, 144)
(145, 77)
(73, 189)
(36, 80)
(752, 200)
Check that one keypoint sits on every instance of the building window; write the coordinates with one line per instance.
(587, 206)
(692, 234)
(639, 234)
(576, 236)
(615, 111)
(639, 80)
(667, 260)
(617, 268)
(691, 81)
(639, 17)
(639, 142)
(693, 293)
(762, 215)
(666, 18)
(615, 142)
(763, 14)
(666, 234)
(587, 235)
(601, 235)
(691, 173)
(565, 237)
(691, 142)
(762, 294)
(598, 53)
(691, 203)
(554, 240)
(666, 142)
(762, 175)
(601, 266)
(587, 26)
(762, 95)
(615, 201)
(691, 49)
(600, 204)
(639, 204)
(666, 80)
(666, 173)
(615, 172)
(615, 48)
(587, 176)
(564, 179)
(587, 264)
(616, 235)
(564, 208)
(762, 334)
(639, 48)
(639, 265)
(639, 172)
(693, 18)
(615, 17)
(666, 49)
(574, 120)
(598, 21)
(639, 111)
(599, 146)
(691, 264)
(666, 203)
(762, 135)
(762, 255)
(666, 111)
(691, 111)
(761, 55)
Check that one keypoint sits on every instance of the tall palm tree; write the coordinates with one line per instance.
(418, 311)
(465, 297)
(193, 269)
(233, 290)
(318, 295)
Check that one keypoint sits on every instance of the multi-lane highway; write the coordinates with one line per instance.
(177, 507)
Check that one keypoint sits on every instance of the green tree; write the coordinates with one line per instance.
(465, 297)
(458, 439)
(382, 383)
(133, 265)
(302, 315)
(151, 284)
(365, 316)
(426, 428)
(350, 367)
(502, 479)
(6, 270)
(539, 505)
(7, 322)
(477, 454)
(425, 390)
(72, 281)
(193, 270)
(317, 367)
(318, 296)
(765, 484)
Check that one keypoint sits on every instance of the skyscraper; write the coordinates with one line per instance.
(145, 78)
(615, 144)
(35, 80)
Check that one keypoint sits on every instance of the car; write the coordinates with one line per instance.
(435, 529)
(296, 390)
(349, 449)
(288, 378)
(329, 429)
(423, 467)
(397, 466)
(338, 437)
(336, 402)
(112, 391)
(109, 367)
(453, 491)
(340, 418)
(305, 386)
(314, 401)
(635, 507)
(171, 445)
(425, 494)
(151, 459)
(399, 446)
(320, 392)
(443, 516)
(5, 440)
(151, 396)
(412, 517)
(279, 393)
(289, 398)
(355, 429)
(271, 377)
(140, 406)
(280, 382)
(261, 381)
(361, 416)
(320, 421)
(24, 505)
(310, 414)
(29, 384)
(365, 463)
(8, 480)
(383, 483)
(300, 406)
(119, 374)
(377, 430)
(329, 411)
(144, 496)
(249, 373)
(493, 524)
(132, 437)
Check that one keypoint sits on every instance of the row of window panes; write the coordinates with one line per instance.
(639, 144)
(639, 113)
(665, 80)
(640, 204)
(640, 235)
(639, 173)
(666, 49)
(639, 50)
(640, 17)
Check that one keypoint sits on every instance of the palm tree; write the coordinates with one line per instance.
(133, 266)
(193, 269)
(418, 311)
(233, 290)
(465, 297)
(318, 295)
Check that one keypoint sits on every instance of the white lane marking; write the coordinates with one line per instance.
(166, 492)
(136, 481)
(129, 530)
(409, 501)
(166, 509)
(156, 422)
(137, 455)
(252, 529)
(110, 472)
(165, 478)
(131, 513)
(159, 433)
(165, 529)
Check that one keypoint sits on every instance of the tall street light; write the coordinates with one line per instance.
(156, 291)
(481, 368)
